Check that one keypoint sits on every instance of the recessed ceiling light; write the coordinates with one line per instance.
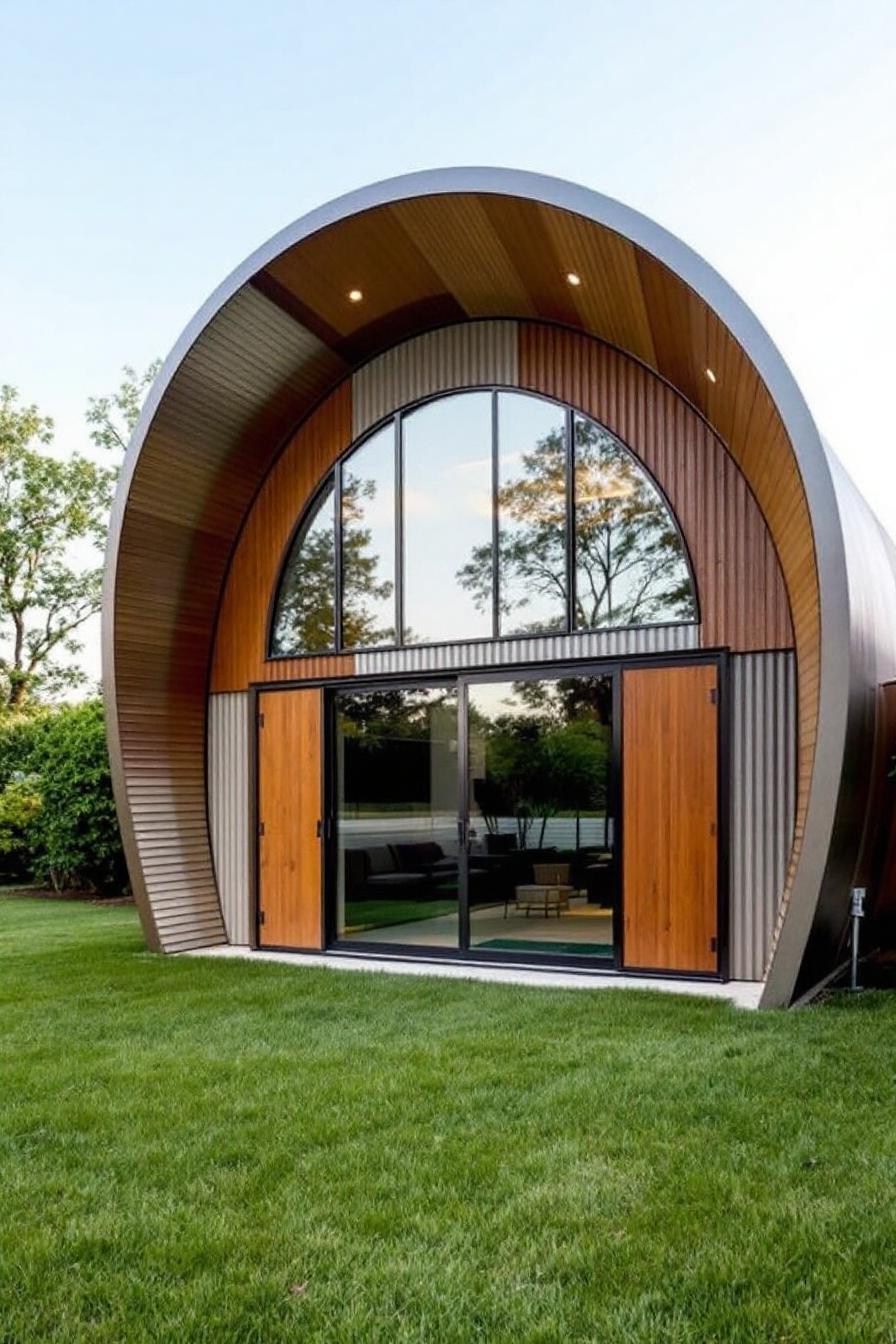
(573, 279)
(710, 375)
(355, 296)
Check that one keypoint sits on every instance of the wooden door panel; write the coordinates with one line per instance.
(670, 818)
(289, 813)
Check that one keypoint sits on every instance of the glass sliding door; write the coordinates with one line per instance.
(395, 781)
(541, 833)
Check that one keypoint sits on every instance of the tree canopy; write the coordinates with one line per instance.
(630, 563)
(53, 519)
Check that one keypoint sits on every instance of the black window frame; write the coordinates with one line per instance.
(334, 476)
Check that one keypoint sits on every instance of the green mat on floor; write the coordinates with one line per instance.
(559, 949)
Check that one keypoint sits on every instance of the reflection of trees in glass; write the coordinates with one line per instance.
(305, 617)
(531, 542)
(567, 698)
(390, 739)
(552, 758)
(383, 716)
(630, 563)
(366, 619)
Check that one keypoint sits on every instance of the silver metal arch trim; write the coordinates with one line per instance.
(812, 460)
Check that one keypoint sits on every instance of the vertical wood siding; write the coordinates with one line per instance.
(763, 796)
(290, 810)
(240, 653)
(743, 600)
(670, 809)
(228, 807)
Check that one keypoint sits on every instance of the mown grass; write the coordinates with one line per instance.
(218, 1151)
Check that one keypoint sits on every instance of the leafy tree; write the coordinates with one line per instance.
(51, 509)
(630, 562)
(47, 506)
(112, 419)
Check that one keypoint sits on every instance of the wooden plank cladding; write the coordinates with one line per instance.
(239, 656)
(743, 601)
(289, 818)
(670, 818)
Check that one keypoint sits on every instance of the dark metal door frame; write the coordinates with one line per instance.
(610, 667)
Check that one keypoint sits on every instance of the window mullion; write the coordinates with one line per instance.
(570, 521)
(399, 533)
(337, 558)
(496, 527)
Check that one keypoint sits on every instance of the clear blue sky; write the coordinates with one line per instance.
(145, 149)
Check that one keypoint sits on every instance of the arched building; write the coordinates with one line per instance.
(479, 586)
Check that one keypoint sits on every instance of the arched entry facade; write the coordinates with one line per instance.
(253, 416)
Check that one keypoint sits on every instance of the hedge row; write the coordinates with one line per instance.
(57, 815)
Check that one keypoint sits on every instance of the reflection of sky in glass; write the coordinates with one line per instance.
(447, 516)
(493, 699)
(631, 567)
(532, 583)
(368, 551)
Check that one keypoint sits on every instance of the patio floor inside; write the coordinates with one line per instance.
(581, 930)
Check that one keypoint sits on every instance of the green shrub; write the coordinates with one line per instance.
(57, 813)
(20, 804)
(75, 837)
(19, 734)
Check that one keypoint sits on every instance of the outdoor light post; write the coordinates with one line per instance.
(856, 910)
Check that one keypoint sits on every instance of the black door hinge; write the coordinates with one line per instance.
(261, 828)
(261, 916)
(714, 696)
(713, 944)
(261, 720)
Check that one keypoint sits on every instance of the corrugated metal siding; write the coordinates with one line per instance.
(228, 807)
(541, 649)
(211, 440)
(466, 355)
(763, 800)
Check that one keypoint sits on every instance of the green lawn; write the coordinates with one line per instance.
(221, 1151)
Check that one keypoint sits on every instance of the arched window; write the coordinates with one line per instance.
(478, 515)
(305, 616)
